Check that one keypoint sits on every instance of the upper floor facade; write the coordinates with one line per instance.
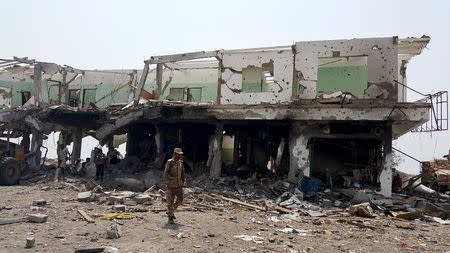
(360, 69)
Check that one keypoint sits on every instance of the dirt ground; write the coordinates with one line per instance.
(208, 231)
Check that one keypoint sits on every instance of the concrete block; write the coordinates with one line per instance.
(142, 198)
(39, 202)
(119, 208)
(113, 231)
(84, 196)
(116, 199)
(30, 242)
(129, 202)
(37, 218)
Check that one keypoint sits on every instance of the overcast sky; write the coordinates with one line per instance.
(121, 34)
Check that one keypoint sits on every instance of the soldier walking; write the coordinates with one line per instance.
(175, 179)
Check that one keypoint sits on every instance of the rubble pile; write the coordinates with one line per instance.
(277, 198)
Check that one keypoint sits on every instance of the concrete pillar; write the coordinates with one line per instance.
(298, 153)
(215, 147)
(77, 136)
(36, 143)
(159, 140)
(386, 172)
(37, 79)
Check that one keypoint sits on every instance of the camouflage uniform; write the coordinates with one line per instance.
(174, 178)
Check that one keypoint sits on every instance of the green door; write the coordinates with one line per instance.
(88, 97)
(194, 95)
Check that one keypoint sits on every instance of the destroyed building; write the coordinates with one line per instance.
(325, 109)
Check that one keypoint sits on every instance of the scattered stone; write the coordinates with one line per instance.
(84, 196)
(37, 208)
(97, 189)
(129, 202)
(102, 200)
(45, 188)
(130, 183)
(326, 203)
(360, 197)
(339, 204)
(30, 242)
(142, 198)
(37, 218)
(8, 207)
(256, 221)
(111, 250)
(116, 199)
(39, 202)
(119, 208)
(314, 213)
(405, 225)
(317, 222)
(181, 235)
(114, 231)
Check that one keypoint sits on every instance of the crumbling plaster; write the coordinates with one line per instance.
(231, 76)
(385, 176)
(381, 62)
(322, 113)
(298, 153)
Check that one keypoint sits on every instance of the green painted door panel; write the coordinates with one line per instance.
(351, 79)
(195, 95)
(53, 93)
(88, 97)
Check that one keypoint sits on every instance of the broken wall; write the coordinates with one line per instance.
(256, 77)
(103, 88)
(382, 68)
(14, 82)
(194, 81)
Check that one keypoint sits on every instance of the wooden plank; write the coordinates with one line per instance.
(90, 250)
(12, 220)
(283, 210)
(201, 205)
(236, 201)
(86, 216)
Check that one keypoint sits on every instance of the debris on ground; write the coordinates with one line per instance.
(30, 241)
(114, 231)
(253, 238)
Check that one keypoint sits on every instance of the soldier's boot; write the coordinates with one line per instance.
(170, 220)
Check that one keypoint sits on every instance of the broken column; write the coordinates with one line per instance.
(298, 153)
(159, 140)
(215, 152)
(36, 144)
(77, 136)
(386, 172)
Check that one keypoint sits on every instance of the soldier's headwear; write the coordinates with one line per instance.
(178, 151)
